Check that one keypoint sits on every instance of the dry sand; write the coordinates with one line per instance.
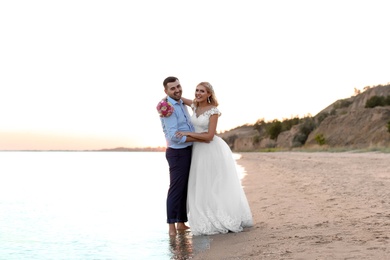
(312, 206)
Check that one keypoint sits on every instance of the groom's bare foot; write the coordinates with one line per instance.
(172, 230)
(182, 226)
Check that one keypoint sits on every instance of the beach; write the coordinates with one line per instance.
(318, 205)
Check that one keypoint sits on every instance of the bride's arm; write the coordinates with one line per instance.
(187, 101)
(207, 136)
(192, 139)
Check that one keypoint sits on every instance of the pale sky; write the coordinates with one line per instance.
(88, 74)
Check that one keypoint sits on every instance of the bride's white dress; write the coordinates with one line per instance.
(216, 201)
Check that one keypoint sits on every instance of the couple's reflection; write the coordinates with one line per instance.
(185, 246)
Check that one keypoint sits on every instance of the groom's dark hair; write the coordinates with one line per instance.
(169, 80)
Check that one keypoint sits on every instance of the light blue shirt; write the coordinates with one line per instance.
(178, 121)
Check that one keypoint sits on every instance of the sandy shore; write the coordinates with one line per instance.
(312, 206)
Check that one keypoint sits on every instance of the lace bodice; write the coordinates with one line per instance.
(201, 122)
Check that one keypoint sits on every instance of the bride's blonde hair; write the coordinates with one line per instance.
(213, 99)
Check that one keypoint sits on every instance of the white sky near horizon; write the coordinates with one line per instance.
(88, 74)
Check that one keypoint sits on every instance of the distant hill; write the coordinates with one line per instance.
(345, 123)
(144, 149)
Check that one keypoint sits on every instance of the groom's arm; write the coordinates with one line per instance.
(171, 128)
(170, 124)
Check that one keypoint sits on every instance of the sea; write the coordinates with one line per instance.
(89, 205)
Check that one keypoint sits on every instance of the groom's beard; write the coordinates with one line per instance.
(177, 96)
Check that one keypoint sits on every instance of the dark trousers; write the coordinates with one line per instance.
(179, 161)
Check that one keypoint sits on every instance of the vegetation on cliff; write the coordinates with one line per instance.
(362, 120)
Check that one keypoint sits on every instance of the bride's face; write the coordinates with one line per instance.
(201, 94)
(174, 90)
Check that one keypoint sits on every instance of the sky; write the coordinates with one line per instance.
(87, 74)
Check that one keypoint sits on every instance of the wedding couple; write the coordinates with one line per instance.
(204, 184)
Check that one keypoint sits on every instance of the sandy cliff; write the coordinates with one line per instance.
(345, 123)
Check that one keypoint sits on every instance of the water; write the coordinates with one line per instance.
(88, 205)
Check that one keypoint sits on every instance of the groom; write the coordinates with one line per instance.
(178, 155)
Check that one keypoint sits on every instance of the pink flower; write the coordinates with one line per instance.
(164, 108)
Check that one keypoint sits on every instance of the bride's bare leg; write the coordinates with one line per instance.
(172, 230)
(182, 226)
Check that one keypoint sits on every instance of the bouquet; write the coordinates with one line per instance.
(164, 108)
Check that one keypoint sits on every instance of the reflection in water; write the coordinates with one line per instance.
(184, 246)
(92, 224)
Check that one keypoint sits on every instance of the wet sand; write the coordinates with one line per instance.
(312, 206)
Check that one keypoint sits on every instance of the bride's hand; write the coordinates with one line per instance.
(181, 134)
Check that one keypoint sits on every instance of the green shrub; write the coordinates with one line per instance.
(287, 124)
(320, 139)
(342, 104)
(260, 125)
(387, 101)
(274, 129)
(256, 139)
(375, 101)
(299, 140)
(388, 126)
(307, 126)
(322, 116)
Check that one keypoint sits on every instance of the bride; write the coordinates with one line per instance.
(216, 202)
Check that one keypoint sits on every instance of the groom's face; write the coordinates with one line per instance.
(174, 90)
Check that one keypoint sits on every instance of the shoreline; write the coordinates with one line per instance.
(312, 206)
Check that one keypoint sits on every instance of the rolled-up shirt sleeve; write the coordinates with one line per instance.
(179, 121)
(170, 128)
(171, 125)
